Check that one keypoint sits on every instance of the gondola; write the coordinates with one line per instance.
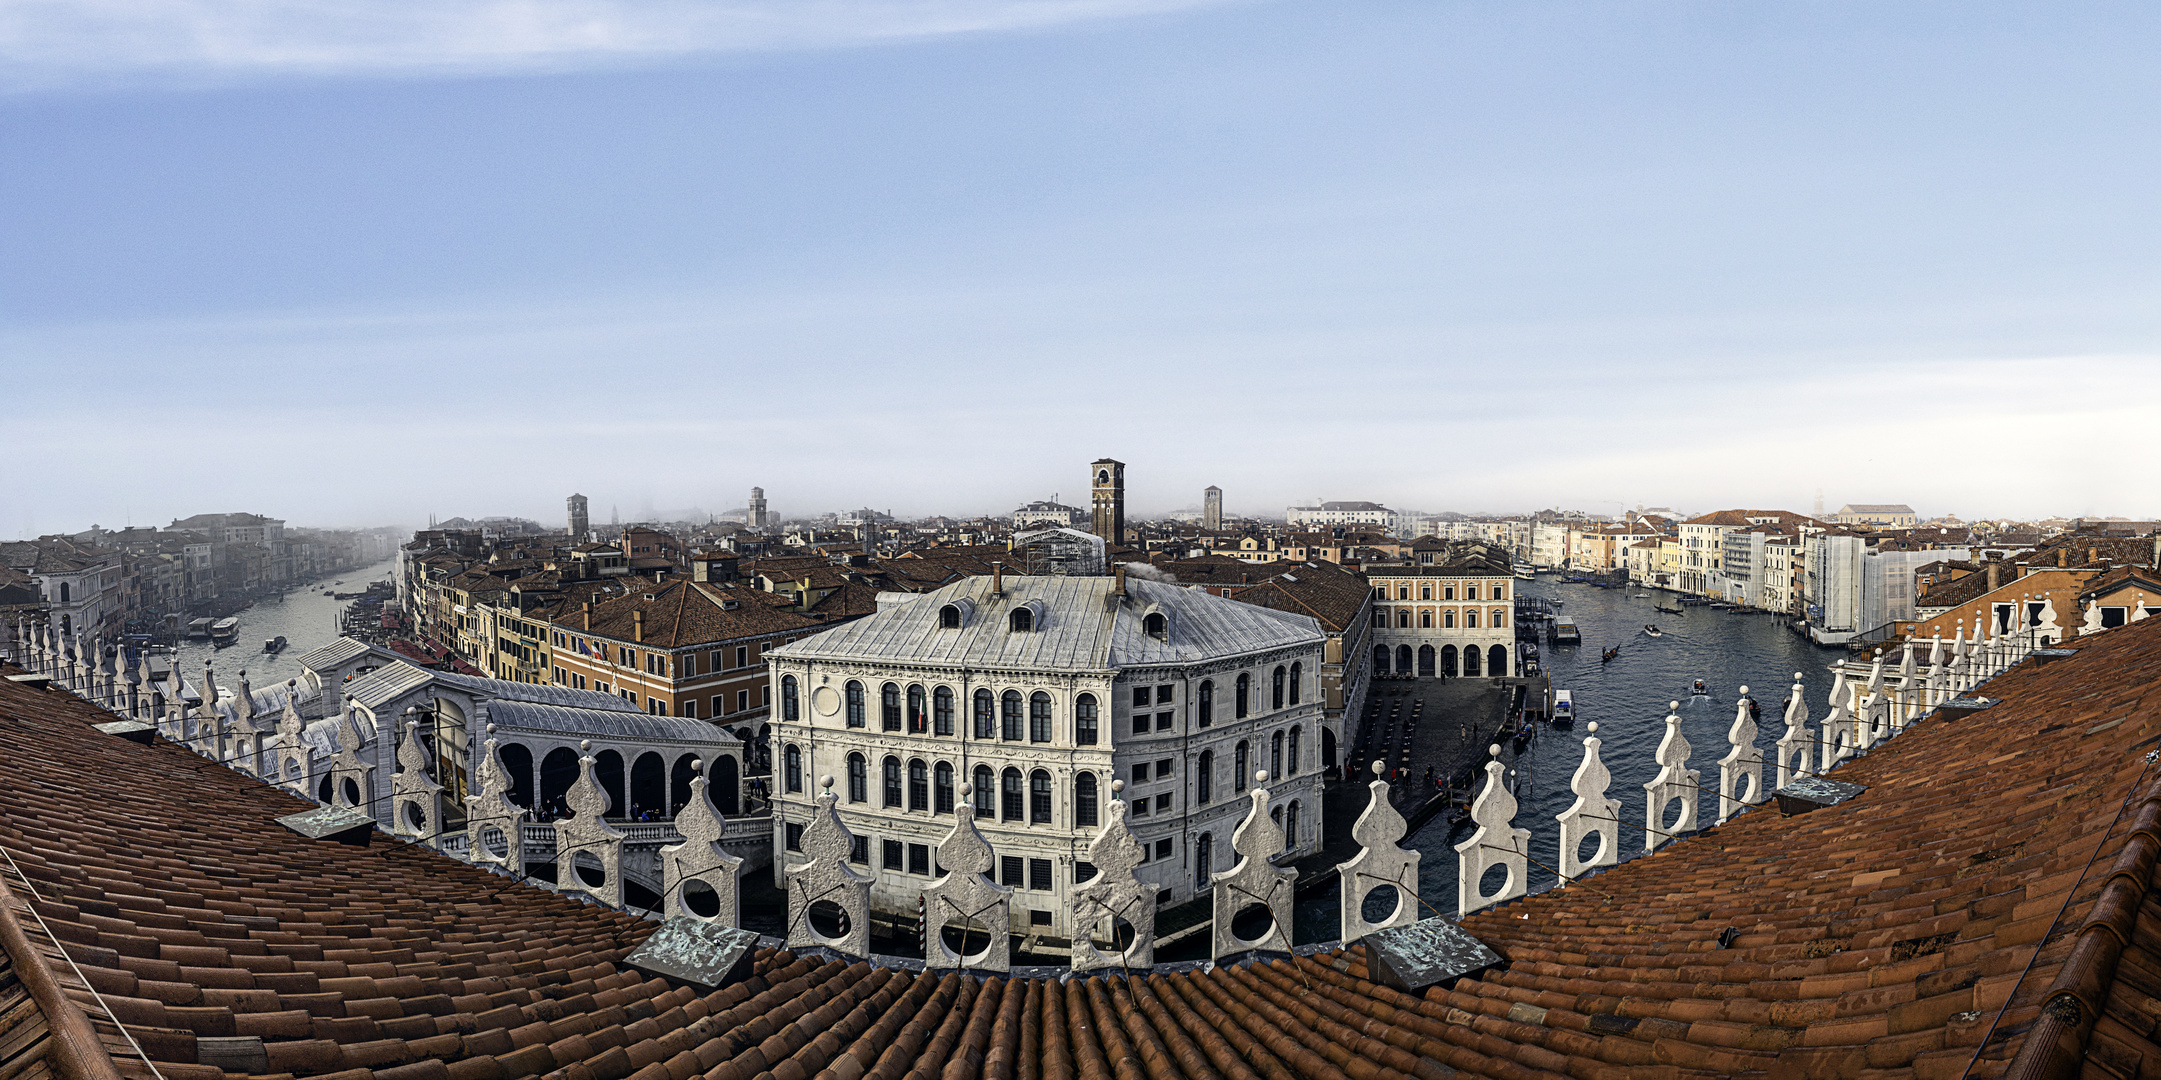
(1664, 610)
(1609, 654)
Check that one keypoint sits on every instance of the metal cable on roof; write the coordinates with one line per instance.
(87, 985)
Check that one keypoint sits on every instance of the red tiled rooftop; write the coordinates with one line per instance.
(1878, 938)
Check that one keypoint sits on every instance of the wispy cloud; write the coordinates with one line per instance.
(45, 43)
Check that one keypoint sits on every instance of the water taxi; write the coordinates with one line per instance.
(1564, 708)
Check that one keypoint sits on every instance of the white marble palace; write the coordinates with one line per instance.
(1035, 693)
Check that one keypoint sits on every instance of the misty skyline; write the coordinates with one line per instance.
(351, 264)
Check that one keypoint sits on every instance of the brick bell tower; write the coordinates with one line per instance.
(1107, 488)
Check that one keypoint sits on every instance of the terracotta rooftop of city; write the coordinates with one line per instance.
(2003, 858)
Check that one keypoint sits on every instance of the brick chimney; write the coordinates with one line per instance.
(1118, 576)
(1995, 574)
(637, 626)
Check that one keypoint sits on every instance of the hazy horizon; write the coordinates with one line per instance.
(348, 262)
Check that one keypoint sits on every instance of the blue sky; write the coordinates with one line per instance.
(361, 263)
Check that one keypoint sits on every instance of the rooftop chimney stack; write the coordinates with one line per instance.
(1119, 576)
(637, 626)
(997, 579)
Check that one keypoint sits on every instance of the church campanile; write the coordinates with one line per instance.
(1107, 485)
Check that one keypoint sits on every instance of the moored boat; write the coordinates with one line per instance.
(1564, 708)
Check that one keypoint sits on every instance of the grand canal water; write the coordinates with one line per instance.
(305, 616)
(1628, 699)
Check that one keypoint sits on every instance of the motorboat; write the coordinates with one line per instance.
(1652, 631)
(1699, 690)
(1564, 708)
(225, 631)
(271, 645)
(1664, 610)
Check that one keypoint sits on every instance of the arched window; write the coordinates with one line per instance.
(793, 756)
(1295, 733)
(1425, 618)
(1497, 660)
(1239, 761)
(1084, 801)
(1470, 661)
(918, 785)
(986, 715)
(1448, 619)
(941, 711)
(986, 792)
(1470, 618)
(63, 592)
(787, 698)
(1010, 709)
(1039, 798)
(1403, 659)
(1380, 659)
(889, 707)
(1023, 619)
(1281, 677)
(917, 722)
(942, 788)
(1448, 660)
(858, 779)
(1403, 618)
(1012, 796)
(1425, 592)
(1425, 660)
(1204, 782)
(1208, 702)
(1297, 669)
(1156, 625)
(1039, 717)
(1245, 687)
(855, 703)
(1204, 852)
(1084, 720)
(949, 617)
(892, 782)
(1290, 825)
(1275, 756)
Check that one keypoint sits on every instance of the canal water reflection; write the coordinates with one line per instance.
(305, 617)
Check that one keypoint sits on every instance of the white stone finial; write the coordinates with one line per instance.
(825, 875)
(1592, 814)
(1793, 746)
(1675, 781)
(1497, 842)
(1117, 786)
(1260, 776)
(1254, 880)
(1592, 727)
(587, 833)
(1113, 894)
(1381, 862)
(1742, 763)
(967, 896)
(700, 859)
